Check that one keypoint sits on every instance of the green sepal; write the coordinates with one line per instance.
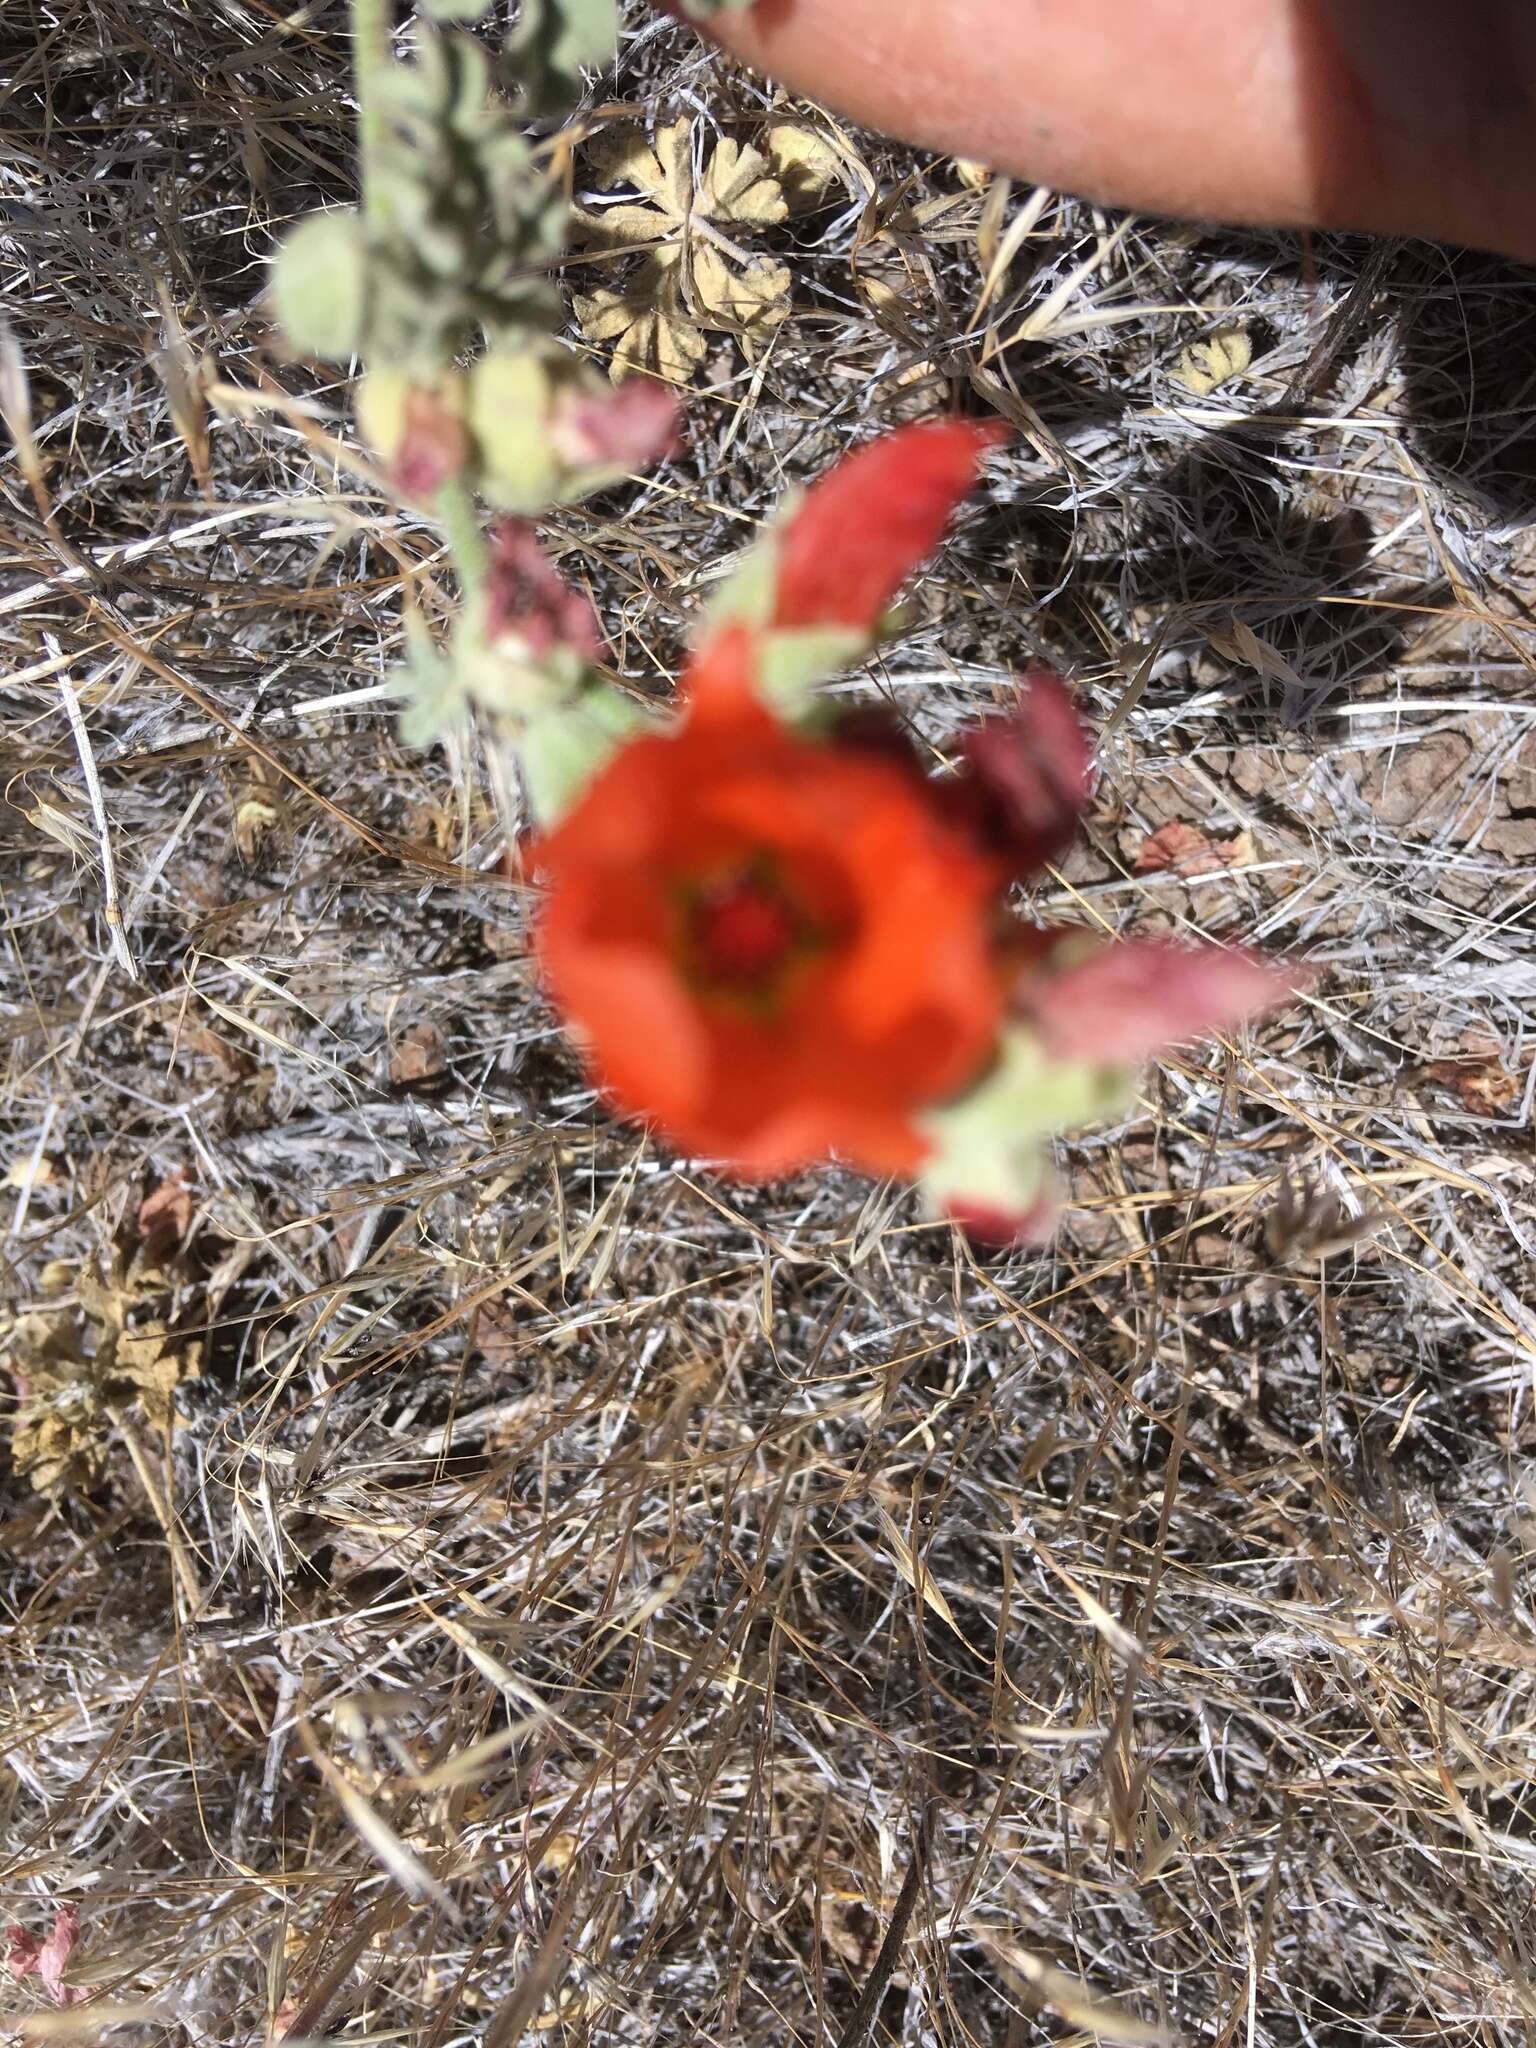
(988, 1147)
(565, 748)
(461, 11)
(509, 685)
(320, 284)
(508, 414)
(745, 598)
(793, 659)
(791, 663)
(470, 113)
(379, 404)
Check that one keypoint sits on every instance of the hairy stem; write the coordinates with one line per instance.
(372, 54)
(466, 538)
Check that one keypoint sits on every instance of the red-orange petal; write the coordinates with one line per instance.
(894, 1010)
(721, 680)
(872, 518)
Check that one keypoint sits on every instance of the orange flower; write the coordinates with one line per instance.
(779, 942)
(773, 946)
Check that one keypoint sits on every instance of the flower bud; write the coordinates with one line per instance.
(416, 426)
(320, 284)
(518, 467)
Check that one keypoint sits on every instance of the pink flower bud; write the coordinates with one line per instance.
(994, 1230)
(526, 598)
(26, 1956)
(626, 429)
(1121, 1004)
(432, 448)
(1026, 776)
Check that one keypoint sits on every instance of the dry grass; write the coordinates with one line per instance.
(587, 1602)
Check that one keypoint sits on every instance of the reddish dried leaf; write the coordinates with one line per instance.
(1185, 850)
(46, 1960)
(165, 1217)
(497, 1334)
(419, 1057)
(1480, 1078)
(871, 519)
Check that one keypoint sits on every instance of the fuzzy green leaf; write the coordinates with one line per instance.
(320, 284)
(989, 1147)
(429, 681)
(564, 748)
(553, 42)
(460, 220)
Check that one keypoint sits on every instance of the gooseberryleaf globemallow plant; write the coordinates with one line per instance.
(775, 935)
(779, 939)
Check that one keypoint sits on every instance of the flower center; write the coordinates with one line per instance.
(744, 932)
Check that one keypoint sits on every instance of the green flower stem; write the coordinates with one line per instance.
(466, 537)
(372, 55)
